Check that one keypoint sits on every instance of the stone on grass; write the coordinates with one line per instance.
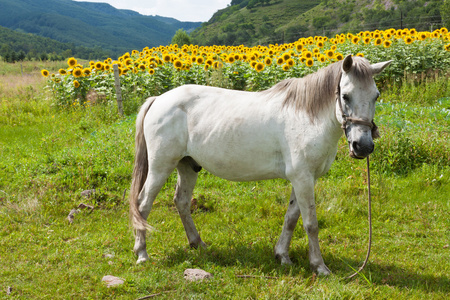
(196, 274)
(111, 281)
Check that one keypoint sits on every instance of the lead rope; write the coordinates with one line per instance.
(370, 223)
(375, 134)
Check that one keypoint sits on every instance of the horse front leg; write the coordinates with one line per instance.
(290, 221)
(304, 194)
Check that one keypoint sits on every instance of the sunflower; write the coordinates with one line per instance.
(286, 68)
(360, 54)
(387, 43)
(142, 67)
(151, 71)
(230, 59)
(217, 65)
(422, 36)
(268, 61)
(259, 67)
(280, 61)
(98, 65)
(299, 47)
(167, 57)
(339, 56)
(307, 54)
(87, 71)
(72, 62)
(178, 64)
(322, 58)
(366, 40)
(329, 54)
(45, 73)
(209, 62)
(77, 72)
(378, 41)
(200, 60)
(286, 56)
(408, 40)
(309, 62)
(62, 72)
(290, 62)
(355, 40)
(76, 84)
(447, 47)
(320, 44)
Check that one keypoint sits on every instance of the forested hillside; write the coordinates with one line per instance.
(17, 46)
(254, 22)
(89, 24)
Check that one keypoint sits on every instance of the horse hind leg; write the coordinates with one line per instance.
(156, 178)
(187, 177)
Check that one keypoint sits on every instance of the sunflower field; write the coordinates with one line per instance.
(154, 71)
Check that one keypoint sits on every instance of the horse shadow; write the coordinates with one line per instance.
(260, 258)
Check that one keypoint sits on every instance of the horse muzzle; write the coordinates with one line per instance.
(361, 150)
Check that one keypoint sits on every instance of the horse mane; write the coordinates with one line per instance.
(315, 92)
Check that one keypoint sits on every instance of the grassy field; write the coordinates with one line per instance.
(49, 156)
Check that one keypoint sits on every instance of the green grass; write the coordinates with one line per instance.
(48, 156)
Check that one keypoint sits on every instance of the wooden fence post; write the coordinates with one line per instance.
(118, 90)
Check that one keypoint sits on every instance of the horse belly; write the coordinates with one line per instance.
(239, 154)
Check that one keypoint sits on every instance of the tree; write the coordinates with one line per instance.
(445, 13)
(181, 38)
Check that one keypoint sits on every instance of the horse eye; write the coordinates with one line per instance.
(345, 97)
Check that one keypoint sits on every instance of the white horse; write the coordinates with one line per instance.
(289, 131)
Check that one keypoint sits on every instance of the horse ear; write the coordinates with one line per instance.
(379, 67)
(347, 63)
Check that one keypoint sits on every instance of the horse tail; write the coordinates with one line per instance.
(140, 168)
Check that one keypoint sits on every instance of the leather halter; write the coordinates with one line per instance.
(346, 119)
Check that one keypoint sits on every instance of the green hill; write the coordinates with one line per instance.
(252, 22)
(16, 46)
(90, 24)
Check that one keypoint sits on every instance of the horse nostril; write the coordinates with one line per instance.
(355, 146)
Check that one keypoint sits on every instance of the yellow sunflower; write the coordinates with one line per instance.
(387, 43)
(151, 71)
(72, 62)
(62, 72)
(286, 68)
(259, 67)
(76, 84)
(329, 54)
(77, 72)
(280, 61)
(355, 40)
(268, 61)
(45, 73)
(87, 71)
(378, 41)
(360, 54)
(290, 62)
(98, 65)
(408, 40)
(178, 64)
(309, 62)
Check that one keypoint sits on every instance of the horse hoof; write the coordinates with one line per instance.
(142, 257)
(284, 259)
(196, 245)
(323, 270)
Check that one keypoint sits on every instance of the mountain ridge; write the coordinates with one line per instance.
(90, 24)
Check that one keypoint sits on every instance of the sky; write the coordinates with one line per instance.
(182, 10)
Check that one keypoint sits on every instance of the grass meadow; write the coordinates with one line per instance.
(49, 155)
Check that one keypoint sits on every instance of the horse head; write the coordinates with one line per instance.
(355, 104)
